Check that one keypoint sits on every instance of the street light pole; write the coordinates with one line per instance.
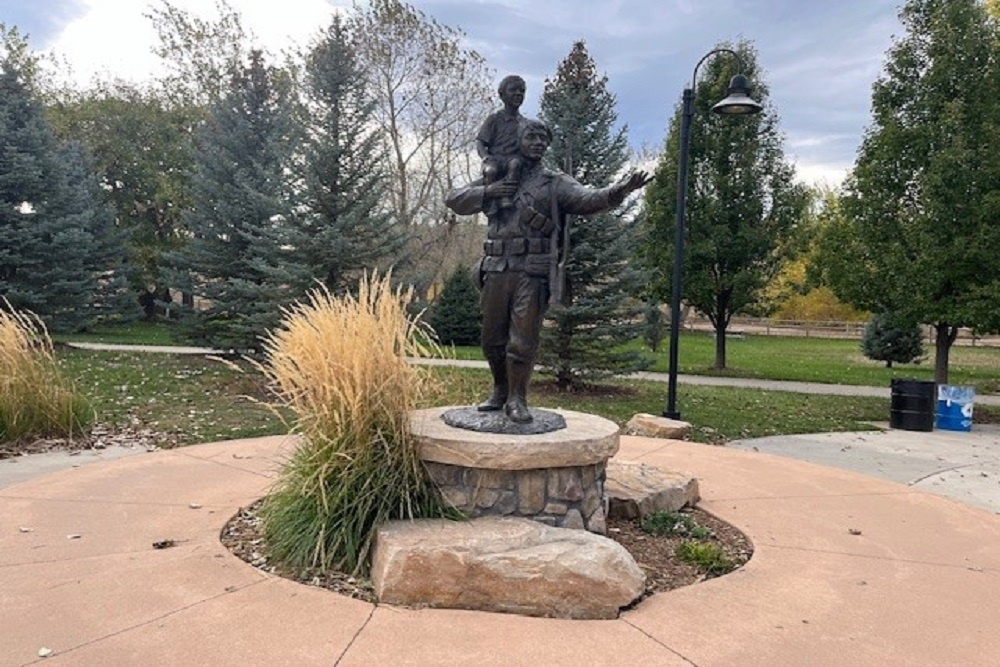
(737, 102)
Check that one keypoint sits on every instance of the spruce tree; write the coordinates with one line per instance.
(887, 338)
(455, 315)
(57, 258)
(232, 260)
(341, 225)
(584, 340)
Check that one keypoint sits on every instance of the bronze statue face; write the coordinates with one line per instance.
(534, 143)
(512, 92)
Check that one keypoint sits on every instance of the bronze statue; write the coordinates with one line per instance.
(524, 255)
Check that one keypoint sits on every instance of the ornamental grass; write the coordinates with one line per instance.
(339, 363)
(36, 401)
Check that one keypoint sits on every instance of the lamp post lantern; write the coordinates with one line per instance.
(736, 103)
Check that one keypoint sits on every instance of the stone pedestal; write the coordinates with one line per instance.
(555, 478)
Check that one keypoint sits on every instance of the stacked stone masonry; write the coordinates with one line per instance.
(567, 497)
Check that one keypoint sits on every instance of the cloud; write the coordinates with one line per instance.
(114, 37)
(819, 59)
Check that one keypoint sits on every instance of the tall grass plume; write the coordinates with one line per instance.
(36, 401)
(340, 364)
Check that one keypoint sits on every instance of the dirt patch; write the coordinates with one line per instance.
(100, 436)
(656, 555)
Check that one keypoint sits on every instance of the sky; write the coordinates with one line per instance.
(819, 57)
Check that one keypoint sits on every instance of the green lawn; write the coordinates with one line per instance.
(139, 332)
(197, 399)
(826, 360)
(192, 398)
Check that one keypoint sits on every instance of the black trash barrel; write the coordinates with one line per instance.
(912, 405)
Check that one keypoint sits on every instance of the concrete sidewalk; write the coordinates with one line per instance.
(960, 465)
(847, 570)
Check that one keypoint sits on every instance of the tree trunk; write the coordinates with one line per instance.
(944, 336)
(721, 324)
(720, 348)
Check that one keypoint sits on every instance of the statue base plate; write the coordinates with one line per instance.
(542, 421)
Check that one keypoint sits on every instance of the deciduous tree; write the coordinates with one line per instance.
(431, 93)
(742, 202)
(919, 235)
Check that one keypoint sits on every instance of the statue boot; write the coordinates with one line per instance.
(497, 359)
(516, 408)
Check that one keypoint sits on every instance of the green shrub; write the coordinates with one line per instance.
(664, 524)
(340, 366)
(35, 400)
(707, 557)
(653, 329)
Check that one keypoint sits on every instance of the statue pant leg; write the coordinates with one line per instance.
(527, 310)
(496, 327)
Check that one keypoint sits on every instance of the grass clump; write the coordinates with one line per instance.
(663, 524)
(339, 364)
(36, 401)
(707, 557)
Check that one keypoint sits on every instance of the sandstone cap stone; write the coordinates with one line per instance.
(586, 440)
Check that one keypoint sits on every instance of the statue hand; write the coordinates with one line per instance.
(500, 188)
(631, 181)
(634, 180)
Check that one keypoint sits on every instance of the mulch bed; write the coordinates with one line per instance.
(655, 555)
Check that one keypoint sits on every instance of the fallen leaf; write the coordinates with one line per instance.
(73, 536)
(164, 544)
(194, 506)
(45, 652)
(854, 531)
(25, 529)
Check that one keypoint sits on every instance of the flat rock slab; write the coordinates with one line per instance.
(506, 565)
(636, 490)
(651, 426)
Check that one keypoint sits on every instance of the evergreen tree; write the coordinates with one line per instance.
(741, 205)
(598, 315)
(887, 338)
(919, 234)
(232, 259)
(455, 316)
(653, 326)
(57, 255)
(342, 225)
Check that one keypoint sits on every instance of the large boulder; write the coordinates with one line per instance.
(504, 564)
(636, 490)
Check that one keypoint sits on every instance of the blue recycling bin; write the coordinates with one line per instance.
(954, 407)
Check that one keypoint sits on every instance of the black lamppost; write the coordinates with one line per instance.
(736, 103)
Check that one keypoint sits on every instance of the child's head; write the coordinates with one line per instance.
(512, 90)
